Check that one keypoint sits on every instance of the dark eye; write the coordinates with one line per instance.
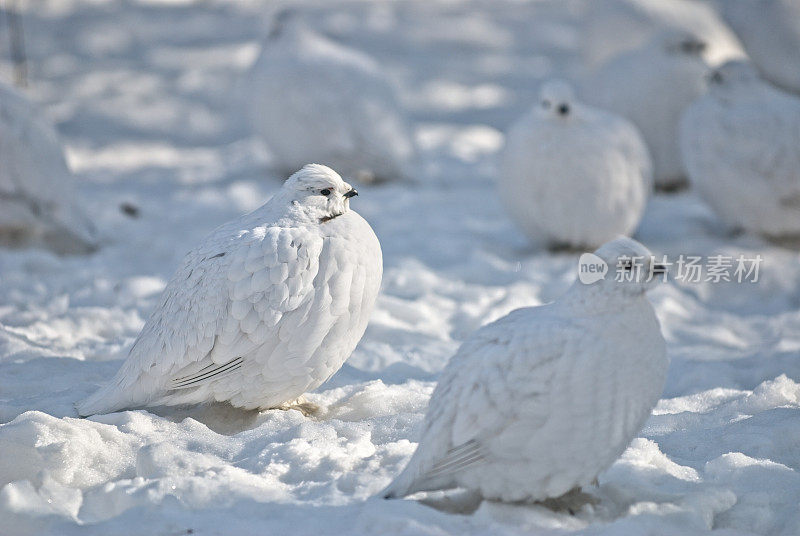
(545, 104)
(325, 192)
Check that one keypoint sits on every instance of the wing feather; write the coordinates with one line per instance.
(206, 373)
(225, 301)
(479, 397)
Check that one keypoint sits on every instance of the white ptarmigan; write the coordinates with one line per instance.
(770, 33)
(541, 401)
(315, 100)
(611, 27)
(266, 308)
(37, 199)
(572, 175)
(741, 146)
(651, 86)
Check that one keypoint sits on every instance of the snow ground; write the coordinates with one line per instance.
(141, 92)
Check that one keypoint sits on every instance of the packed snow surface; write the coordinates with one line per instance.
(141, 94)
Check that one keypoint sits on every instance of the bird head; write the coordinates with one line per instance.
(557, 100)
(319, 193)
(631, 269)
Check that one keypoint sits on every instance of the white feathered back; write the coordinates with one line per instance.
(741, 146)
(313, 99)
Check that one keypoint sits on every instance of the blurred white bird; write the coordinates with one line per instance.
(572, 175)
(770, 33)
(741, 146)
(266, 308)
(651, 86)
(615, 26)
(313, 99)
(544, 399)
(37, 200)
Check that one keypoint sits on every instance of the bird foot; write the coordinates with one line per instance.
(571, 502)
(303, 405)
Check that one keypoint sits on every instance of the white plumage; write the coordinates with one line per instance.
(572, 175)
(651, 86)
(741, 145)
(37, 201)
(616, 26)
(770, 33)
(266, 308)
(544, 399)
(313, 99)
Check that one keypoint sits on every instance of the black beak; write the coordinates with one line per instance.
(351, 193)
(659, 269)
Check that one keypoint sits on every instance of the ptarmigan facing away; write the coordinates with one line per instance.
(741, 146)
(770, 32)
(315, 100)
(544, 399)
(572, 175)
(266, 308)
(615, 26)
(37, 202)
(652, 86)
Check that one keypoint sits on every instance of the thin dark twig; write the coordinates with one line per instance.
(17, 42)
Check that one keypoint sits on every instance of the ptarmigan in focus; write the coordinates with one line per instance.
(541, 401)
(615, 26)
(770, 32)
(37, 199)
(572, 175)
(266, 308)
(313, 99)
(741, 146)
(651, 86)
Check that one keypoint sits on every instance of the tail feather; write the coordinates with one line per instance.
(438, 475)
(405, 484)
(107, 399)
(402, 483)
(409, 482)
(397, 489)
